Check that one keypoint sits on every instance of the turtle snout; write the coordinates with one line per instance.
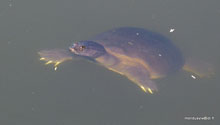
(74, 48)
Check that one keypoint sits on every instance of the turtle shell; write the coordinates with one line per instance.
(157, 51)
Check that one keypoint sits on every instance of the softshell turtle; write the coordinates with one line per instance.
(139, 54)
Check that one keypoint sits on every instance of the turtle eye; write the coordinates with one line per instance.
(81, 48)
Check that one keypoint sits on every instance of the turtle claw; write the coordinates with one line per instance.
(42, 58)
(54, 62)
(49, 62)
(147, 90)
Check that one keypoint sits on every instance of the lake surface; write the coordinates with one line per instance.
(83, 93)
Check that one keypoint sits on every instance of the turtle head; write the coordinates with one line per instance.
(88, 49)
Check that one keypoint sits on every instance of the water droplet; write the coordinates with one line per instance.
(172, 30)
(194, 77)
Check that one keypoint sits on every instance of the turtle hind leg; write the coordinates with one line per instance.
(199, 68)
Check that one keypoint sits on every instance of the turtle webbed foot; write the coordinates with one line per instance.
(55, 56)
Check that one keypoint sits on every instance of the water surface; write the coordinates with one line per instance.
(83, 93)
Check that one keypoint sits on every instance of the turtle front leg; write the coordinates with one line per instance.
(141, 77)
(55, 56)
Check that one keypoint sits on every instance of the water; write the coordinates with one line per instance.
(83, 93)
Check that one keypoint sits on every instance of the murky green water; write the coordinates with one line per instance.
(82, 93)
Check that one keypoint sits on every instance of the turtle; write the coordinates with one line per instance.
(139, 54)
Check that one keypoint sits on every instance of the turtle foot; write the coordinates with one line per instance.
(54, 56)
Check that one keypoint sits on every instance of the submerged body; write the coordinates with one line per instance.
(136, 53)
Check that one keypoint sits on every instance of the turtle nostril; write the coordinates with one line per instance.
(71, 49)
